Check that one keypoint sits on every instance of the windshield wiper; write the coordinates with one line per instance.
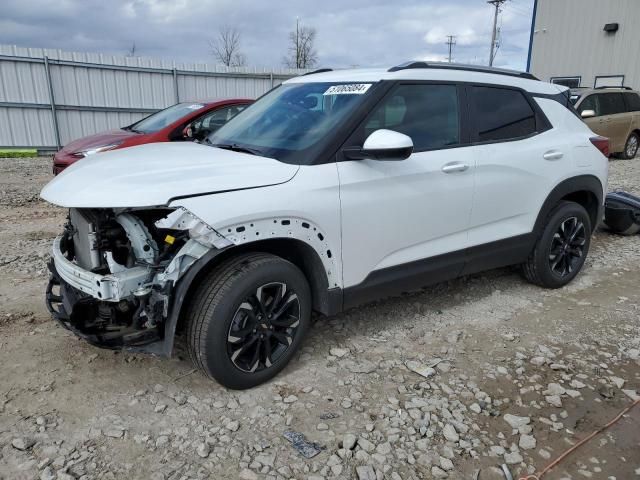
(131, 129)
(237, 148)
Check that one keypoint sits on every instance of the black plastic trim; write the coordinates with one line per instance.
(180, 292)
(412, 276)
(573, 185)
(501, 253)
(397, 154)
(392, 281)
(563, 98)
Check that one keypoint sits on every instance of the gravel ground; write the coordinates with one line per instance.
(506, 373)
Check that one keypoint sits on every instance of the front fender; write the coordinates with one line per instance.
(180, 293)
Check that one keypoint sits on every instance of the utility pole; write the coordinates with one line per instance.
(497, 4)
(451, 41)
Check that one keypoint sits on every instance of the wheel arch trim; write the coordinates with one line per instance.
(326, 299)
(573, 186)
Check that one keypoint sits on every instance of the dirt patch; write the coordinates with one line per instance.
(560, 362)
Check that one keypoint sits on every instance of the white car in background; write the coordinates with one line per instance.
(334, 189)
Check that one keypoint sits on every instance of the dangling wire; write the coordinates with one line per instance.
(539, 475)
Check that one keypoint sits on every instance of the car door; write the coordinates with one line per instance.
(597, 123)
(518, 159)
(395, 214)
(617, 120)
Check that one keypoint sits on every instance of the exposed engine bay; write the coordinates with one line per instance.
(114, 271)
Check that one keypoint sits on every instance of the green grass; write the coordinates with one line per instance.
(14, 153)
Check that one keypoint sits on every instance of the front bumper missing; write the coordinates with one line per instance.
(69, 307)
(110, 288)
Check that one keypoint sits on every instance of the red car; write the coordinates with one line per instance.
(183, 121)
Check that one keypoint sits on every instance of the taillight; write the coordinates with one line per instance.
(602, 144)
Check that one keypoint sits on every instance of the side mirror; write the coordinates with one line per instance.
(382, 145)
(587, 113)
(187, 132)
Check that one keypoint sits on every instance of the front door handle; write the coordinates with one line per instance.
(553, 155)
(455, 167)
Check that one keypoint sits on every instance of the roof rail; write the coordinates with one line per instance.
(320, 70)
(612, 86)
(462, 66)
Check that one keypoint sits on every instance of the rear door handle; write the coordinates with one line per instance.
(553, 155)
(455, 167)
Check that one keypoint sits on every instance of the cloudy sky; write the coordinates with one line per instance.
(349, 32)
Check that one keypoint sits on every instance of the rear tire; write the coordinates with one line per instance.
(247, 319)
(631, 146)
(561, 248)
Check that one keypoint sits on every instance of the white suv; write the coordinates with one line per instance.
(333, 189)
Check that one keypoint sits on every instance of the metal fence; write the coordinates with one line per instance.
(50, 97)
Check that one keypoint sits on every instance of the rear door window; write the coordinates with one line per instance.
(612, 103)
(500, 114)
(633, 102)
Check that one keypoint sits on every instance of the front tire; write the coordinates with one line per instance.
(247, 319)
(562, 248)
(631, 146)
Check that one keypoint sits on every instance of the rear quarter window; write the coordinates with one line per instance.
(500, 114)
(633, 102)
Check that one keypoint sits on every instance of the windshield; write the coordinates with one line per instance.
(157, 121)
(291, 119)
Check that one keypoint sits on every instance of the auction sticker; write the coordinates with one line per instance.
(349, 89)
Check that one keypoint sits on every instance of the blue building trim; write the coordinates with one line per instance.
(533, 25)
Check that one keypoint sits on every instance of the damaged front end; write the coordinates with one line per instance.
(113, 272)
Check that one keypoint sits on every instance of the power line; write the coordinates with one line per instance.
(451, 41)
(494, 46)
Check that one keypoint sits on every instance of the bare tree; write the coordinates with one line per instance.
(226, 47)
(132, 50)
(302, 53)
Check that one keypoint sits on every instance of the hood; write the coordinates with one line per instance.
(153, 174)
(97, 140)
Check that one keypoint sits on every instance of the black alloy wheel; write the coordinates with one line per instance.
(561, 248)
(567, 247)
(248, 318)
(263, 327)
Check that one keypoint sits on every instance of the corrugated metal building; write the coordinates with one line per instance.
(50, 97)
(586, 42)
